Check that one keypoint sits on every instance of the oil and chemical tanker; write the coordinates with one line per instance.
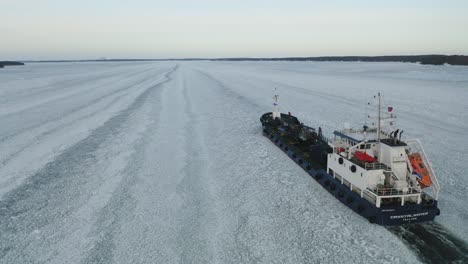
(370, 170)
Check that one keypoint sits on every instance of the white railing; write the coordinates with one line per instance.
(376, 166)
(392, 191)
(419, 148)
(381, 194)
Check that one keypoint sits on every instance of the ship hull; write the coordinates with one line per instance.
(387, 216)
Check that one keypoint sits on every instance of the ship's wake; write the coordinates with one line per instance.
(433, 243)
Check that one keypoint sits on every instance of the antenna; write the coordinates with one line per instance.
(276, 97)
(276, 113)
(385, 119)
(378, 128)
(365, 114)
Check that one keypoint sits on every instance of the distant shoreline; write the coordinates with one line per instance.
(421, 59)
(10, 63)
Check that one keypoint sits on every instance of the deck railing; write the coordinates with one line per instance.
(392, 191)
(376, 166)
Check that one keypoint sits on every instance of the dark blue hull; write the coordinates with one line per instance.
(385, 215)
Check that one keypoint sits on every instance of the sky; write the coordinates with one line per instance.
(91, 29)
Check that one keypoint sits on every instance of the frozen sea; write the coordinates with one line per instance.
(165, 162)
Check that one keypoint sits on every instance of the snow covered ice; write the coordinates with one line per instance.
(165, 162)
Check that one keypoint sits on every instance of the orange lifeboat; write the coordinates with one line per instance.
(420, 169)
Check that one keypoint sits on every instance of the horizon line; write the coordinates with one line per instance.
(238, 58)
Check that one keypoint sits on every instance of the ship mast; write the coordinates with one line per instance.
(276, 112)
(378, 127)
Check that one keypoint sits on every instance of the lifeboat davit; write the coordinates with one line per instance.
(420, 169)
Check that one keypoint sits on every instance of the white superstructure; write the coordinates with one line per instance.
(375, 163)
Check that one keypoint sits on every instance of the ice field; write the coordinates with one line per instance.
(165, 162)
